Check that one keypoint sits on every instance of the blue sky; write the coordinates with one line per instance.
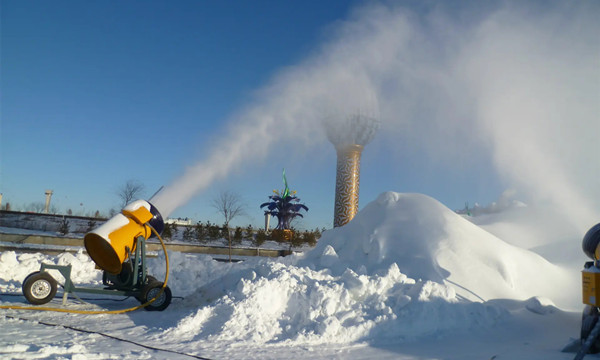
(97, 93)
(85, 85)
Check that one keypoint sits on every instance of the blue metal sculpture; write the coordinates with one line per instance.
(285, 206)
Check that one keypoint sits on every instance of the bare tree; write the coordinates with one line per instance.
(36, 207)
(229, 204)
(132, 189)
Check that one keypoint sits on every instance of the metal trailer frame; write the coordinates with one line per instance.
(131, 287)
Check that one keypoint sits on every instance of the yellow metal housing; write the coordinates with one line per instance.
(109, 244)
(591, 286)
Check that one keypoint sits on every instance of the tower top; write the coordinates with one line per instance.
(355, 128)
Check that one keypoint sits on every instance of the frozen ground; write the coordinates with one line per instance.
(406, 279)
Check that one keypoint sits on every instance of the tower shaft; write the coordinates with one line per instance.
(347, 183)
(47, 204)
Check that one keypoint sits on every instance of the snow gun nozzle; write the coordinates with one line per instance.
(109, 244)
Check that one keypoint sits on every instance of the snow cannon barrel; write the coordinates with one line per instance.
(590, 276)
(108, 245)
(590, 242)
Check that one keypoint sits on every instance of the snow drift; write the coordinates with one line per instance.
(431, 242)
(273, 303)
(404, 268)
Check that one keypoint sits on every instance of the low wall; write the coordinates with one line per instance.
(23, 239)
(48, 222)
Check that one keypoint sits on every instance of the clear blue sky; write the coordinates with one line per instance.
(98, 92)
(85, 85)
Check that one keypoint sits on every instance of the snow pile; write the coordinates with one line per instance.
(275, 303)
(15, 267)
(188, 272)
(405, 267)
(266, 301)
(429, 241)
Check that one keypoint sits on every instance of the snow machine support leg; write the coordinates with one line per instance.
(65, 271)
(132, 287)
(40, 287)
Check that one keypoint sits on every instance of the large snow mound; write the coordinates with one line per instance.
(428, 241)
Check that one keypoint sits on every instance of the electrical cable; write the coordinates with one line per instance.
(89, 299)
(106, 335)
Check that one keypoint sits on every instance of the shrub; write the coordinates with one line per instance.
(64, 227)
(260, 238)
(91, 224)
(249, 233)
(201, 232)
(213, 231)
(188, 234)
(237, 235)
(167, 233)
(310, 238)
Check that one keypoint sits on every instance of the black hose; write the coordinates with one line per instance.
(106, 335)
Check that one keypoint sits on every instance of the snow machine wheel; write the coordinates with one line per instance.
(588, 321)
(150, 291)
(591, 240)
(30, 275)
(39, 288)
(140, 296)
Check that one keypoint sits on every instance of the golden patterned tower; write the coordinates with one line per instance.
(347, 182)
(349, 134)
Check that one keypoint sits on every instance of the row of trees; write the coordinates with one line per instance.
(205, 232)
(64, 227)
(34, 207)
(38, 208)
(131, 190)
(284, 206)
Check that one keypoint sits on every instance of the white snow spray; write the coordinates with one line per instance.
(518, 83)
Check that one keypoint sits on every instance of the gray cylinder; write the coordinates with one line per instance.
(590, 241)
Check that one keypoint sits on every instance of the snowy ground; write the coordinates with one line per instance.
(406, 279)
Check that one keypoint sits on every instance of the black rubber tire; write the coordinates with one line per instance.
(28, 276)
(150, 290)
(39, 288)
(149, 279)
(589, 319)
(591, 240)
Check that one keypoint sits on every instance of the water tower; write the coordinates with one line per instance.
(349, 133)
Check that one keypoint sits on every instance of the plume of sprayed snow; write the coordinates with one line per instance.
(354, 128)
(537, 108)
(515, 83)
